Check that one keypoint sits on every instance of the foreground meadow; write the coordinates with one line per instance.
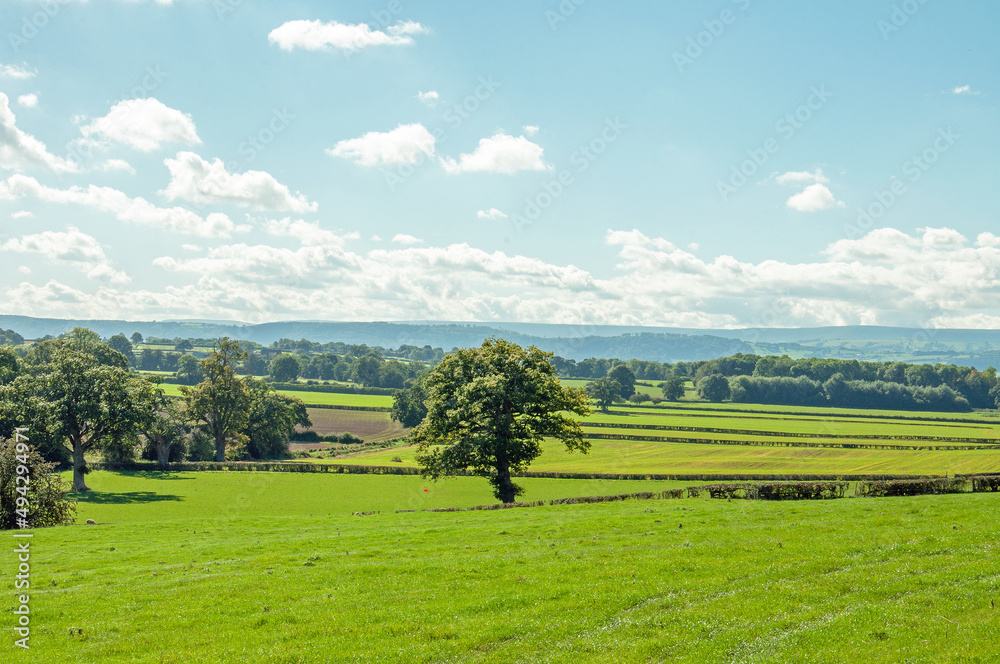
(273, 567)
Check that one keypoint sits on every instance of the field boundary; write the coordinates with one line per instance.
(681, 409)
(782, 434)
(337, 406)
(336, 468)
(789, 443)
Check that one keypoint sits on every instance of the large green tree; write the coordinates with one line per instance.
(605, 391)
(673, 388)
(713, 388)
(165, 428)
(285, 369)
(408, 406)
(120, 343)
(271, 420)
(488, 409)
(624, 376)
(189, 371)
(88, 403)
(221, 402)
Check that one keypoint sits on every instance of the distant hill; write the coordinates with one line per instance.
(977, 348)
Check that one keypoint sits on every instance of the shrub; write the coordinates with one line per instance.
(45, 493)
(982, 483)
(309, 436)
(772, 490)
(879, 489)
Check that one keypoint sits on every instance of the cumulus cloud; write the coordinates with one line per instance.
(127, 209)
(406, 144)
(500, 153)
(492, 213)
(797, 177)
(319, 36)
(430, 97)
(310, 234)
(113, 165)
(142, 124)
(887, 277)
(22, 214)
(15, 72)
(71, 246)
(403, 238)
(813, 198)
(28, 100)
(20, 151)
(195, 180)
(964, 90)
(530, 130)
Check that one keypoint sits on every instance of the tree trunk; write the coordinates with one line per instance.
(162, 453)
(78, 467)
(220, 446)
(506, 491)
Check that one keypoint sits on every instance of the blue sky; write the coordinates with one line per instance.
(575, 162)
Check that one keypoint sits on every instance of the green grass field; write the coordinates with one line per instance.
(812, 427)
(610, 456)
(271, 567)
(321, 398)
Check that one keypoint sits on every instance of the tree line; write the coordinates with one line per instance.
(285, 363)
(78, 397)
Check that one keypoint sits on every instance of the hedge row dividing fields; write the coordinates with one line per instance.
(783, 434)
(352, 469)
(785, 443)
(801, 412)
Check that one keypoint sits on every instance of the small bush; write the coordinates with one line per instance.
(46, 492)
(309, 436)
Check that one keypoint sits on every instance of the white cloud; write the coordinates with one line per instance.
(492, 213)
(319, 36)
(978, 321)
(813, 198)
(143, 124)
(309, 234)
(195, 180)
(28, 100)
(530, 130)
(796, 177)
(499, 154)
(72, 246)
(130, 210)
(15, 72)
(403, 238)
(430, 97)
(22, 214)
(406, 144)
(987, 240)
(20, 151)
(112, 165)
(884, 278)
(191, 247)
(964, 90)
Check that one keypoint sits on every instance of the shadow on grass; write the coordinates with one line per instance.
(130, 497)
(153, 474)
